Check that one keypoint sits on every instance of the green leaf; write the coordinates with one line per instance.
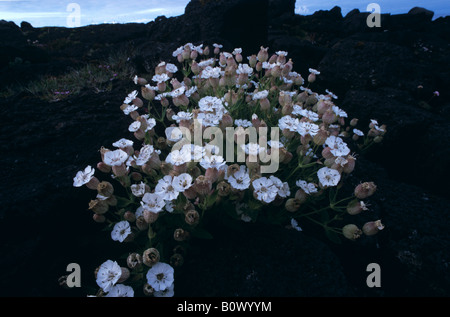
(333, 236)
(123, 202)
(150, 233)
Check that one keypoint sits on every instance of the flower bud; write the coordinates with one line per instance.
(141, 224)
(105, 189)
(326, 153)
(125, 275)
(263, 55)
(176, 260)
(212, 174)
(355, 207)
(98, 206)
(292, 204)
(99, 218)
(180, 235)
(264, 104)
(354, 122)
(147, 289)
(134, 261)
(206, 51)
(104, 168)
(149, 217)
(350, 165)
(329, 117)
(202, 185)
(93, 183)
(227, 121)
(223, 189)
(252, 61)
(192, 217)
(135, 176)
(301, 196)
(138, 102)
(129, 216)
(111, 200)
(150, 257)
(351, 232)
(312, 78)
(364, 190)
(120, 170)
(258, 66)
(372, 227)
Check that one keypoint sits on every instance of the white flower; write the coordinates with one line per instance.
(289, 123)
(339, 112)
(178, 51)
(131, 97)
(166, 189)
(135, 79)
(134, 126)
(305, 128)
(108, 274)
(160, 276)
(217, 45)
(331, 94)
(244, 69)
(169, 206)
(373, 121)
(295, 225)
(264, 189)
(123, 143)
(190, 91)
(152, 202)
(209, 119)
(254, 116)
(197, 151)
(178, 157)
(337, 145)
(363, 205)
(160, 78)
(243, 123)
(138, 190)
(282, 188)
(120, 231)
(83, 177)
(151, 122)
(237, 51)
(173, 134)
(213, 161)
(144, 154)
(211, 72)
(340, 161)
(252, 148)
(182, 182)
(211, 149)
(120, 290)
(155, 88)
(308, 188)
(281, 53)
(240, 179)
(182, 115)
(379, 129)
(207, 62)
(275, 144)
(115, 158)
(311, 115)
(260, 95)
(171, 68)
(177, 92)
(358, 132)
(328, 177)
(210, 103)
(168, 292)
(313, 71)
(129, 109)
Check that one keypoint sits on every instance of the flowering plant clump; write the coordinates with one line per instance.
(221, 134)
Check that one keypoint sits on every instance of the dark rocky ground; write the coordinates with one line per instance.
(44, 224)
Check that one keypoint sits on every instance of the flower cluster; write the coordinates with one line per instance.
(200, 146)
